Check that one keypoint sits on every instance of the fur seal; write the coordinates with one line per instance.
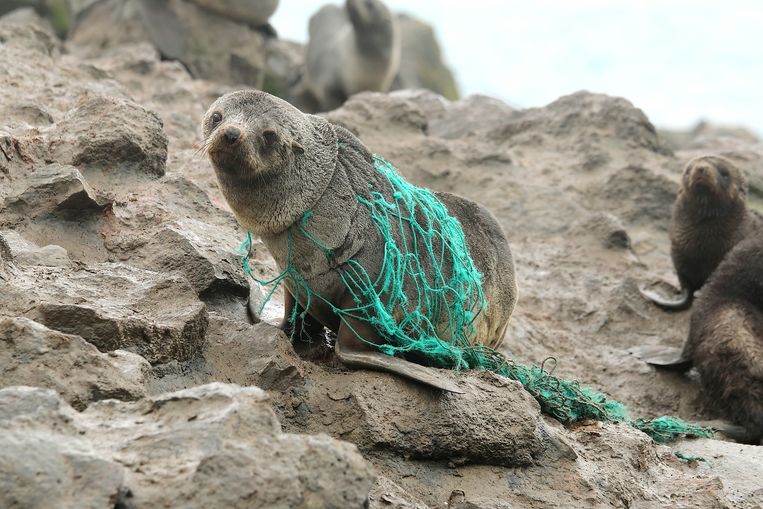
(710, 216)
(350, 50)
(275, 163)
(725, 341)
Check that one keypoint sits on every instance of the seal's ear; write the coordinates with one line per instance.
(297, 148)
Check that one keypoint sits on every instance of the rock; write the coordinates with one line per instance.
(199, 252)
(583, 116)
(57, 13)
(472, 115)
(458, 500)
(107, 136)
(115, 306)
(642, 195)
(421, 62)
(208, 45)
(26, 254)
(252, 12)
(54, 189)
(214, 445)
(735, 464)
(284, 63)
(260, 355)
(607, 229)
(387, 495)
(32, 354)
(383, 412)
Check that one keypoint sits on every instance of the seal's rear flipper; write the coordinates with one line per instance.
(738, 433)
(682, 302)
(665, 357)
(375, 360)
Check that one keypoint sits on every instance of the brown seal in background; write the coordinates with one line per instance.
(710, 216)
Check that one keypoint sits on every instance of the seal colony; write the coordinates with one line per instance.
(710, 216)
(304, 186)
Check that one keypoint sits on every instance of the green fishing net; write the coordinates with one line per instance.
(431, 312)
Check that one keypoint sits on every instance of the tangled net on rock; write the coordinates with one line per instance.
(451, 289)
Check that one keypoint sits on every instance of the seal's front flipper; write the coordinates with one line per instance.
(682, 302)
(352, 352)
(738, 433)
(370, 359)
(665, 357)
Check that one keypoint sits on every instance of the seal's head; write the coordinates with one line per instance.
(272, 161)
(375, 27)
(713, 182)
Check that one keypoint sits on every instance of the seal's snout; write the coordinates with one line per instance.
(703, 177)
(232, 134)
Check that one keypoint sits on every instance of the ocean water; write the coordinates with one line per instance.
(680, 61)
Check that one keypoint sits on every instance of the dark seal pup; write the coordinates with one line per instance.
(725, 340)
(275, 163)
(710, 217)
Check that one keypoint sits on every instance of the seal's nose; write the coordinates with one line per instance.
(232, 134)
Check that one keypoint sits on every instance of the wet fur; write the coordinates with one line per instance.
(726, 336)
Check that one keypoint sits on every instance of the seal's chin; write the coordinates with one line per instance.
(232, 159)
(703, 184)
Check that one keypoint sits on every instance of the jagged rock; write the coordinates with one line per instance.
(258, 355)
(26, 254)
(112, 136)
(255, 13)
(212, 446)
(32, 354)
(583, 116)
(115, 306)
(607, 229)
(56, 189)
(421, 62)
(209, 45)
(200, 253)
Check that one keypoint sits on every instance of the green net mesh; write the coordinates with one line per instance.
(428, 279)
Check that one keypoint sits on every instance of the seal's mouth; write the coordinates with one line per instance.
(703, 180)
(230, 150)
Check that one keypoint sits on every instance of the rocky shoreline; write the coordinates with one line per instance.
(131, 376)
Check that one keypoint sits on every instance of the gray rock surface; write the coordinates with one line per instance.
(421, 60)
(253, 12)
(381, 412)
(213, 446)
(115, 306)
(31, 354)
(208, 45)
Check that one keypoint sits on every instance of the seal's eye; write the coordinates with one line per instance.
(217, 117)
(724, 173)
(269, 136)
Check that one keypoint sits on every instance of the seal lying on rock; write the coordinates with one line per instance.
(350, 50)
(725, 340)
(303, 185)
(710, 217)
